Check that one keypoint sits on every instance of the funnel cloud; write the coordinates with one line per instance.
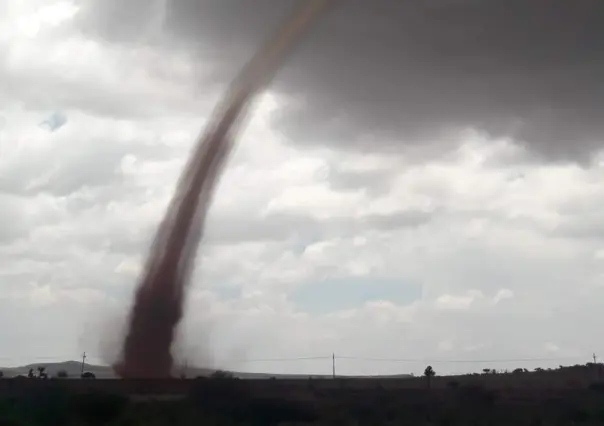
(159, 300)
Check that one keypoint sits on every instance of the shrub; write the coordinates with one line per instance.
(221, 374)
(98, 408)
(453, 385)
(597, 386)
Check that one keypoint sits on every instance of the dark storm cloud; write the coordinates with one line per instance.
(120, 21)
(411, 71)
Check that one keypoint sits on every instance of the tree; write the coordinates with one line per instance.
(62, 374)
(1, 374)
(429, 373)
(42, 373)
(221, 374)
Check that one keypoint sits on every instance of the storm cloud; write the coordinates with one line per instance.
(406, 72)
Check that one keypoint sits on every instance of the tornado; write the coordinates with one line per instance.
(158, 304)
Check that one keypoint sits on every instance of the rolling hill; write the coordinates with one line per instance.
(74, 368)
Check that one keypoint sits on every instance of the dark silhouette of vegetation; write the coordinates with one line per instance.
(62, 374)
(88, 375)
(429, 373)
(56, 407)
(98, 408)
(453, 384)
(597, 386)
(215, 401)
(222, 399)
(42, 373)
(221, 374)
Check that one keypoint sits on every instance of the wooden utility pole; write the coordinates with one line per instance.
(185, 369)
(83, 364)
(333, 365)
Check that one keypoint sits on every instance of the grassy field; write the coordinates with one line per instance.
(229, 401)
(244, 402)
(565, 396)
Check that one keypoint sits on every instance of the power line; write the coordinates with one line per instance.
(308, 358)
(334, 357)
(359, 358)
(456, 361)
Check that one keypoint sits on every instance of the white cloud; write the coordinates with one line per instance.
(503, 294)
(506, 253)
(551, 347)
(463, 302)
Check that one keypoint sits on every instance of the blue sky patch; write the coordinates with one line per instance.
(56, 120)
(334, 294)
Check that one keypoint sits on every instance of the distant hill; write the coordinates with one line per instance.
(73, 369)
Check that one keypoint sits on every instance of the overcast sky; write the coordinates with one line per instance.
(424, 181)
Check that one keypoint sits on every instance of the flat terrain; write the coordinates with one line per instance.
(228, 401)
(565, 396)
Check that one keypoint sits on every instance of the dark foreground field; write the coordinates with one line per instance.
(242, 402)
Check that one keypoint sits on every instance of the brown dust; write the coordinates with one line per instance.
(159, 299)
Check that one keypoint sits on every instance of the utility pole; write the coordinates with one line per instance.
(185, 369)
(83, 363)
(595, 359)
(333, 365)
